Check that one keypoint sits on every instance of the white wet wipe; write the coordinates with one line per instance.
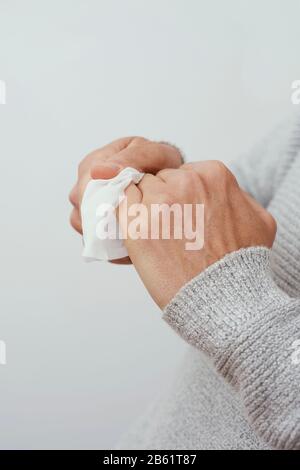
(100, 197)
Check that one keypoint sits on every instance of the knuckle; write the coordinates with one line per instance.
(121, 142)
(219, 168)
(136, 141)
(82, 166)
(221, 173)
(188, 179)
(187, 183)
(187, 166)
(87, 161)
(165, 198)
(173, 151)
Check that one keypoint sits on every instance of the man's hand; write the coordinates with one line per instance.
(232, 220)
(136, 152)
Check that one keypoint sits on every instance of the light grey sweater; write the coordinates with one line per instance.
(239, 387)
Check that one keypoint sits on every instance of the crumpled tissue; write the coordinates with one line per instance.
(101, 238)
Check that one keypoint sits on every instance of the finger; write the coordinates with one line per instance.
(75, 220)
(126, 261)
(147, 157)
(114, 162)
(104, 153)
(133, 194)
(207, 168)
(151, 184)
(105, 170)
(73, 196)
(168, 174)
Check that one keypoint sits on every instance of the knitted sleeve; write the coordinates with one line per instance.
(260, 171)
(236, 314)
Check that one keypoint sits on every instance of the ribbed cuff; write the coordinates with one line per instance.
(235, 313)
(220, 309)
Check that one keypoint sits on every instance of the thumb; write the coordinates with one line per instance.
(147, 157)
(105, 170)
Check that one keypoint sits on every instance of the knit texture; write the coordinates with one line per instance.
(236, 314)
(239, 385)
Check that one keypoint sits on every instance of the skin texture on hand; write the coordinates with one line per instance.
(105, 163)
(232, 220)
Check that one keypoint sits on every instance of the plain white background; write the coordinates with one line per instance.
(86, 347)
